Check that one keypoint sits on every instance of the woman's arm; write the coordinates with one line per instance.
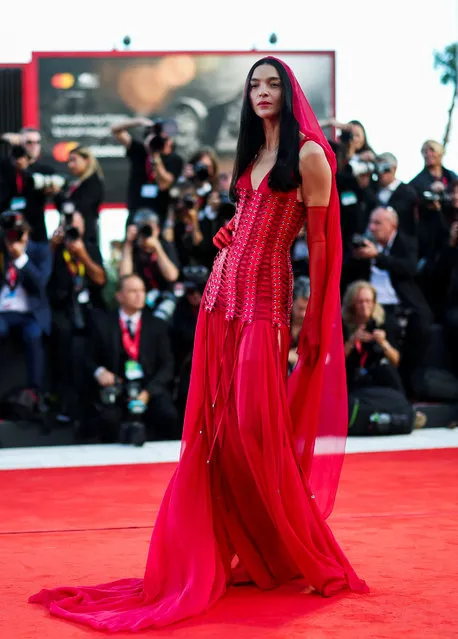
(316, 190)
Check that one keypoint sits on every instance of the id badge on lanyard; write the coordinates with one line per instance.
(133, 370)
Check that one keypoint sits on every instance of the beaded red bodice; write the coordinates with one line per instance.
(252, 277)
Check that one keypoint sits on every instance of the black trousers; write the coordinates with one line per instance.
(160, 419)
(451, 333)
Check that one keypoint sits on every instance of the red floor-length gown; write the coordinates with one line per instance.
(261, 454)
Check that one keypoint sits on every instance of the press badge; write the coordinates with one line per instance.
(17, 204)
(149, 191)
(133, 370)
(347, 198)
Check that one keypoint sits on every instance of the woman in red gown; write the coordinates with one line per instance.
(261, 453)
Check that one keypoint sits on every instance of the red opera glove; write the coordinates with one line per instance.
(310, 336)
(224, 236)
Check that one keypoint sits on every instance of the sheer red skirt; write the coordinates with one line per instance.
(237, 509)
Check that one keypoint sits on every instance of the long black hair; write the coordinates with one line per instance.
(285, 174)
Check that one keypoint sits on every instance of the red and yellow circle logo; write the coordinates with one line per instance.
(63, 81)
(62, 150)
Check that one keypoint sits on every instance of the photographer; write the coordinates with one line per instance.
(25, 268)
(74, 290)
(434, 188)
(36, 191)
(388, 261)
(377, 401)
(196, 225)
(154, 166)
(85, 191)
(152, 258)
(400, 196)
(205, 162)
(131, 361)
(371, 347)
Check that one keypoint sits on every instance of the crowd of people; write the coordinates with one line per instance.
(108, 343)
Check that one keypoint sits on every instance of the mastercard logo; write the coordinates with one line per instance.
(63, 81)
(62, 150)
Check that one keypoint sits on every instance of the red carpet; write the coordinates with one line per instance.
(396, 517)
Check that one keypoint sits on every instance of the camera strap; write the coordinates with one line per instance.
(130, 343)
(363, 355)
(19, 182)
(150, 172)
(11, 277)
(76, 268)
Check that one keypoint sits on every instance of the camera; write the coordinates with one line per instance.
(201, 172)
(71, 233)
(360, 167)
(157, 142)
(41, 181)
(371, 325)
(12, 225)
(383, 167)
(358, 240)
(443, 196)
(132, 430)
(346, 136)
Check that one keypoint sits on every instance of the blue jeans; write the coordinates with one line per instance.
(32, 336)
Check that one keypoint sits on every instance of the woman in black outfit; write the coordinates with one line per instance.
(371, 346)
(85, 190)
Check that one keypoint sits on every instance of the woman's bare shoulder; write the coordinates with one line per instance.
(309, 147)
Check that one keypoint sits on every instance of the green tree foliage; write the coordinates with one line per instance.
(446, 62)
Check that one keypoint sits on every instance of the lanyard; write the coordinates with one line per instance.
(19, 182)
(131, 344)
(150, 172)
(362, 355)
(75, 268)
(11, 277)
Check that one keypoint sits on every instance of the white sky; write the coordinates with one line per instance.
(384, 50)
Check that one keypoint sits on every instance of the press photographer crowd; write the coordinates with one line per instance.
(108, 342)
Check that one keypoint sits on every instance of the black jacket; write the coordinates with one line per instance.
(156, 360)
(401, 264)
(404, 200)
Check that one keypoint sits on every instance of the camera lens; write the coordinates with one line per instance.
(145, 231)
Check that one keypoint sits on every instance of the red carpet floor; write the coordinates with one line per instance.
(396, 517)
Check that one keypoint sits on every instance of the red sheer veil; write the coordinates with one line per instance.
(318, 394)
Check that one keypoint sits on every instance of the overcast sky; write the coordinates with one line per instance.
(385, 74)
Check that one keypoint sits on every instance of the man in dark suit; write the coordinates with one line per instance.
(389, 263)
(400, 196)
(25, 268)
(130, 344)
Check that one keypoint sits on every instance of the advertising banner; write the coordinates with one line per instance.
(80, 95)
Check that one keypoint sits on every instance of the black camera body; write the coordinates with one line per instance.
(358, 240)
(157, 142)
(443, 197)
(132, 430)
(71, 233)
(346, 136)
(12, 225)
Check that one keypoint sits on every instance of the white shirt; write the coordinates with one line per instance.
(134, 319)
(384, 195)
(380, 278)
(15, 300)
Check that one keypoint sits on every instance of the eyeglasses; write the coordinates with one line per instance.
(33, 141)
